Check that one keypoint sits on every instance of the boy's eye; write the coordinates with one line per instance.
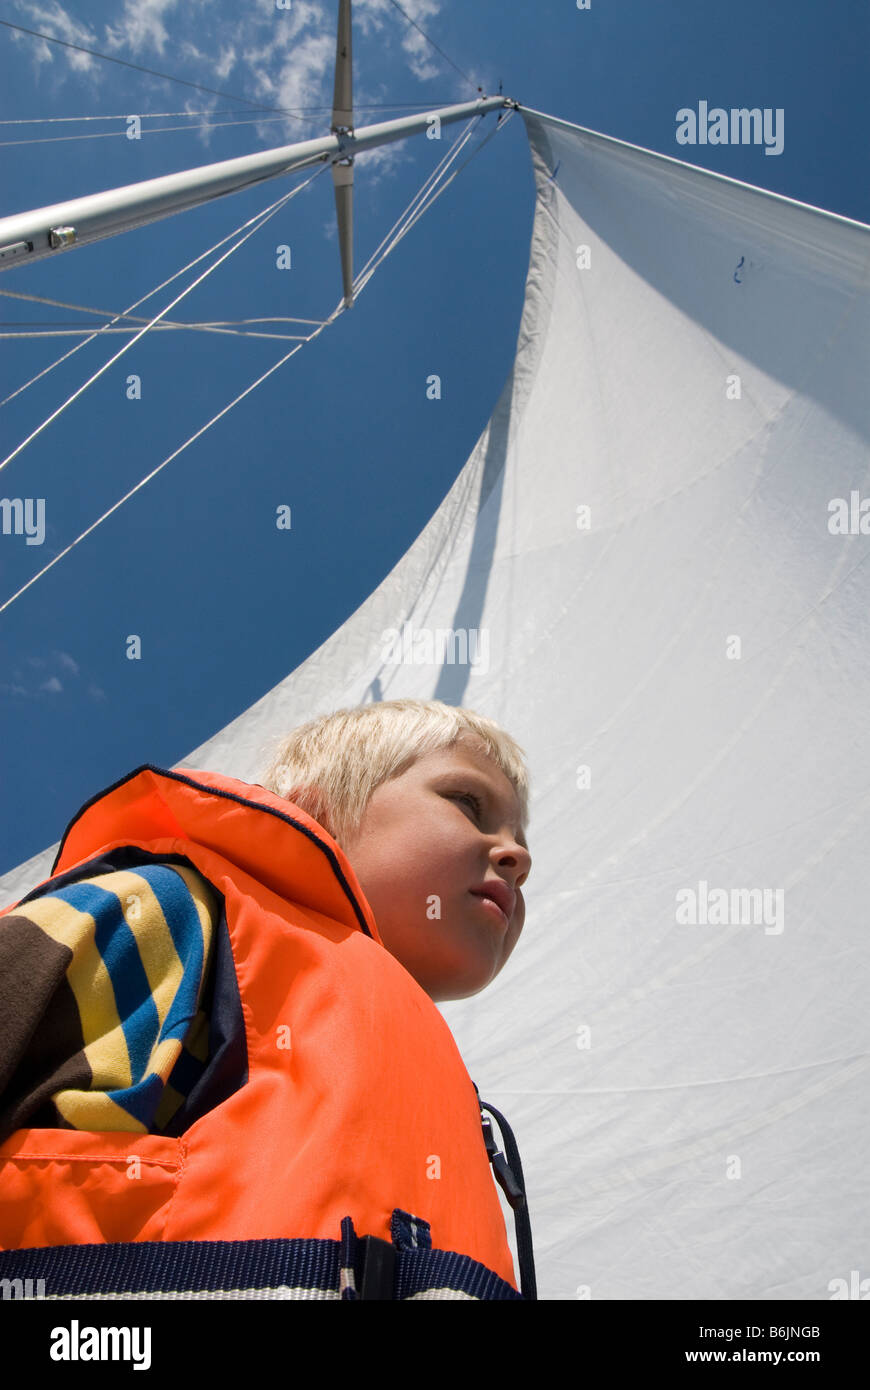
(470, 797)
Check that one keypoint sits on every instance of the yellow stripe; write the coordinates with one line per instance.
(196, 1042)
(163, 1058)
(206, 903)
(105, 1045)
(144, 916)
(95, 1111)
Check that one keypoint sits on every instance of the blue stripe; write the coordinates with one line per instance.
(117, 946)
(141, 1101)
(185, 928)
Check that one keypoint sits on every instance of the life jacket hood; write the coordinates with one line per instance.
(287, 851)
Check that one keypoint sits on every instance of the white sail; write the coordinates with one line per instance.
(642, 559)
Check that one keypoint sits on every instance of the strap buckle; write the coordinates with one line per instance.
(503, 1173)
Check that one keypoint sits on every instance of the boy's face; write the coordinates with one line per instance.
(424, 852)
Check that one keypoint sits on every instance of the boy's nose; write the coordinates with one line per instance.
(515, 858)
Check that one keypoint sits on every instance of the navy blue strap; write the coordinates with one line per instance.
(348, 1269)
(509, 1175)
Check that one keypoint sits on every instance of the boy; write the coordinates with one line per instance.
(224, 1069)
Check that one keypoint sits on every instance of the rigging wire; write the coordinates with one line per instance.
(337, 311)
(157, 130)
(224, 325)
(121, 116)
(214, 91)
(433, 43)
(142, 482)
(115, 314)
(122, 134)
(59, 330)
(403, 221)
(372, 263)
(137, 67)
(230, 326)
(45, 329)
(260, 219)
(135, 305)
(217, 111)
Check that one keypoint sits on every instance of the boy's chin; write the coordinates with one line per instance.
(449, 988)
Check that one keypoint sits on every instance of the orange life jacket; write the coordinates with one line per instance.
(353, 1116)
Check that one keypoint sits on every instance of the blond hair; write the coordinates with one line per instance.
(331, 766)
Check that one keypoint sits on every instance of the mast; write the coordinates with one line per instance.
(342, 170)
(31, 236)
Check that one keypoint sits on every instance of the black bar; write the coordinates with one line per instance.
(378, 1269)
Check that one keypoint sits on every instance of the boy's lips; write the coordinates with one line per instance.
(498, 892)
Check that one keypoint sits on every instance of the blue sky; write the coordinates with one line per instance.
(225, 604)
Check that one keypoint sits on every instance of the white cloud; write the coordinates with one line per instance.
(280, 58)
(304, 15)
(33, 684)
(225, 63)
(301, 80)
(53, 19)
(376, 164)
(375, 16)
(426, 62)
(369, 15)
(192, 54)
(141, 26)
(278, 32)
